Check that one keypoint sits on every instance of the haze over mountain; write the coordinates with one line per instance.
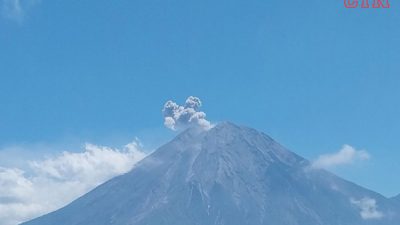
(226, 175)
(396, 198)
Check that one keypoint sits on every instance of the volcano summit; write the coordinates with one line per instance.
(226, 175)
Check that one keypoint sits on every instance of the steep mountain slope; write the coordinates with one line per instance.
(396, 199)
(228, 175)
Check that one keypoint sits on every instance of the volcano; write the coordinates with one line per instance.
(397, 199)
(227, 175)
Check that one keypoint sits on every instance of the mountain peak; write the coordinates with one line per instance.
(229, 137)
(233, 129)
(226, 175)
(226, 125)
(223, 131)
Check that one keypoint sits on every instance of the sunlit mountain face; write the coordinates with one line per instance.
(226, 175)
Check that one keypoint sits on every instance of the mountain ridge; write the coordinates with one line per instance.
(228, 174)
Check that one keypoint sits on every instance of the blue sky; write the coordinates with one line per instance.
(311, 74)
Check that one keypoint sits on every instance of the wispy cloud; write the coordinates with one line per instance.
(368, 208)
(16, 10)
(346, 155)
(54, 182)
(179, 117)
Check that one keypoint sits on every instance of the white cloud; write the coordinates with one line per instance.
(54, 182)
(346, 155)
(16, 9)
(179, 117)
(368, 208)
